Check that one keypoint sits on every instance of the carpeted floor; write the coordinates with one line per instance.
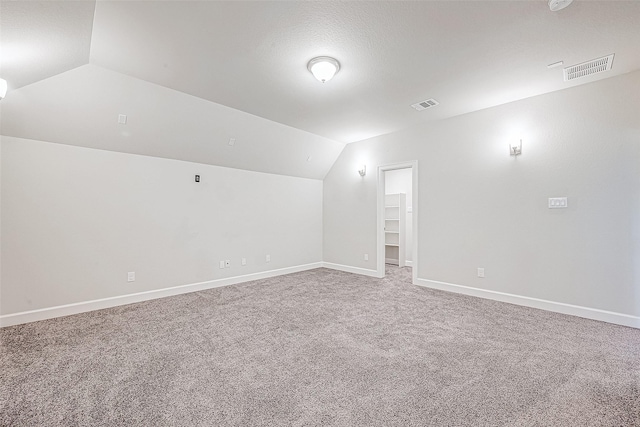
(320, 348)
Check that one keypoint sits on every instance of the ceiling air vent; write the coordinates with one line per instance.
(425, 104)
(588, 68)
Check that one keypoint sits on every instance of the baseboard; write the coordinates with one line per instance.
(557, 307)
(393, 261)
(350, 269)
(82, 307)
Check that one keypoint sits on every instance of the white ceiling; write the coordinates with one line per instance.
(252, 56)
(42, 39)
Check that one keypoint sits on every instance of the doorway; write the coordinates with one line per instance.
(397, 235)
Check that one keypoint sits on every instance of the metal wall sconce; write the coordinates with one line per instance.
(515, 149)
(3, 88)
(363, 171)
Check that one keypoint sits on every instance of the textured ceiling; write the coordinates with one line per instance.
(41, 39)
(252, 56)
(468, 55)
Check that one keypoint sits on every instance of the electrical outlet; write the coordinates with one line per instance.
(227, 263)
(268, 258)
(131, 276)
(557, 202)
(221, 264)
(480, 272)
(366, 257)
(244, 261)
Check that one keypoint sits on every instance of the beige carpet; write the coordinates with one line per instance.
(320, 348)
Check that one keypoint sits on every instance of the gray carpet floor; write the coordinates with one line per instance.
(320, 348)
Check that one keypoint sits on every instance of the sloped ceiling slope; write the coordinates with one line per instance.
(41, 39)
(82, 106)
(55, 96)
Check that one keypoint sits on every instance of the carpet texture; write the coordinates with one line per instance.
(320, 348)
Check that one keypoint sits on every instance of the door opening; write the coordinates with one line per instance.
(397, 216)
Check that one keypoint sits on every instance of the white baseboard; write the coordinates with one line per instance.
(82, 307)
(350, 269)
(557, 307)
(393, 261)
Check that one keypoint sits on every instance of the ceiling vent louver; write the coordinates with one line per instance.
(588, 68)
(423, 105)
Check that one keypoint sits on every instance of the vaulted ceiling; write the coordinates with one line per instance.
(252, 56)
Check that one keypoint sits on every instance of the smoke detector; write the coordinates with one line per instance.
(556, 5)
(423, 105)
(588, 68)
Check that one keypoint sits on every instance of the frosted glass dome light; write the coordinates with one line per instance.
(323, 68)
(556, 5)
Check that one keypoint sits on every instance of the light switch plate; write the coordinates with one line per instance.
(131, 276)
(557, 202)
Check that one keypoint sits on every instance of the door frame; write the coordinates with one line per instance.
(413, 164)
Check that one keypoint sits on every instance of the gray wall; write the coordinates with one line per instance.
(480, 207)
(76, 220)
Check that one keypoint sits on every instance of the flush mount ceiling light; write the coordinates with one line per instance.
(556, 5)
(323, 68)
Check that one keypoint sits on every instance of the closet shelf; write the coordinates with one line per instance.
(395, 208)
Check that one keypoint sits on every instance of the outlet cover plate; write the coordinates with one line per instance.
(557, 202)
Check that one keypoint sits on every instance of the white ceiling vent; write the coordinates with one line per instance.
(423, 105)
(588, 68)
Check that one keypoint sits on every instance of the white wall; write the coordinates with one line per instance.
(479, 207)
(76, 220)
(399, 181)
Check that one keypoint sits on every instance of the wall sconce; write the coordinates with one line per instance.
(363, 171)
(516, 148)
(3, 88)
